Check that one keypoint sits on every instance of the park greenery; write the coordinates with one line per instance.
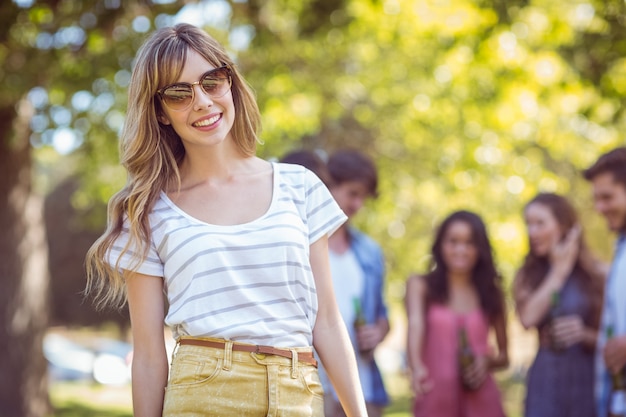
(463, 104)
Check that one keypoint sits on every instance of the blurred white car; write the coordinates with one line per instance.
(113, 362)
(106, 361)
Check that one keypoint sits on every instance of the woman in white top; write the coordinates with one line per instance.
(238, 246)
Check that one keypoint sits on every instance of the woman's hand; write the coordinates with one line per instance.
(420, 383)
(567, 330)
(477, 372)
(565, 252)
(534, 303)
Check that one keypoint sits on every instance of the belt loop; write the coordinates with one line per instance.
(228, 355)
(294, 363)
(175, 350)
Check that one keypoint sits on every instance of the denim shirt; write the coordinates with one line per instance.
(372, 262)
(614, 314)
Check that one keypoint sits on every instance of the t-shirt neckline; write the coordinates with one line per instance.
(176, 208)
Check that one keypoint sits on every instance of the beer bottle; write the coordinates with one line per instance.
(359, 317)
(359, 321)
(617, 400)
(554, 313)
(465, 356)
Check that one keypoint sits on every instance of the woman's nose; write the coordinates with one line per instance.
(201, 97)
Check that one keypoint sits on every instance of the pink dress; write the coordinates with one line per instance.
(447, 398)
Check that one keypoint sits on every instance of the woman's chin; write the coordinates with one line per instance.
(539, 252)
(460, 268)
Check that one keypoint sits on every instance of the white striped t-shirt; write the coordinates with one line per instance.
(250, 282)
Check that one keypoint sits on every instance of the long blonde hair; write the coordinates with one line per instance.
(151, 152)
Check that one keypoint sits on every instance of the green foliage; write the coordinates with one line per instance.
(463, 104)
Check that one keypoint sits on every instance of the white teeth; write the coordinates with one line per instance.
(207, 122)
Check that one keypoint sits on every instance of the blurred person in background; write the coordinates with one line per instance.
(558, 291)
(451, 312)
(238, 245)
(310, 160)
(358, 272)
(608, 180)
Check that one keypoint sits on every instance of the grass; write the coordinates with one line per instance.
(84, 399)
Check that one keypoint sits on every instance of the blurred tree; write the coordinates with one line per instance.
(57, 67)
(68, 241)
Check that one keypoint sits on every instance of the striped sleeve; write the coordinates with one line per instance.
(130, 259)
(323, 213)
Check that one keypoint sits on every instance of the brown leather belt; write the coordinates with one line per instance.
(304, 357)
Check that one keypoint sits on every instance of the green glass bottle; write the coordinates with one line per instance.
(554, 313)
(359, 318)
(359, 321)
(465, 356)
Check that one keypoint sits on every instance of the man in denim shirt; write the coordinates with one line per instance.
(358, 270)
(608, 179)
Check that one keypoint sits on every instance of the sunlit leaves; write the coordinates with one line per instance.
(616, 77)
(454, 18)
(480, 114)
(463, 104)
(40, 15)
(96, 42)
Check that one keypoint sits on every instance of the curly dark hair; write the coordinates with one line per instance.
(485, 276)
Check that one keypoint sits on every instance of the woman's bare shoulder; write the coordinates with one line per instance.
(416, 283)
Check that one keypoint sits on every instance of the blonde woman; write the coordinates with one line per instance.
(237, 244)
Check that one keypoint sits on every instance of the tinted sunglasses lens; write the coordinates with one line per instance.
(216, 83)
(178, 96)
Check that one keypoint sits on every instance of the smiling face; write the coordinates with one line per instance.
(207, 121)
(458, 248)
(543, 228)
(610, 200)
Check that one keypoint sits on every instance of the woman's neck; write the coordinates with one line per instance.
(462, 295)
(460, 278)
(220, 165)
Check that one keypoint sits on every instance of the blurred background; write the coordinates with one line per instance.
(471, 104)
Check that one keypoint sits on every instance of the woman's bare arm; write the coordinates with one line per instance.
(415, 304)
(149, 368)
(330, 337)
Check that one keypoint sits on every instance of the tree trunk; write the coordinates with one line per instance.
(23, 274)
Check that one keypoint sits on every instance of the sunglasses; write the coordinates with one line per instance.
(179, 96)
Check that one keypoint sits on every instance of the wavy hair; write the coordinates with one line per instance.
(151, 152)
(485, 276)
(535, 268)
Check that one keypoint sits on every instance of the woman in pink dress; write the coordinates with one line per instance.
(458, 301)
